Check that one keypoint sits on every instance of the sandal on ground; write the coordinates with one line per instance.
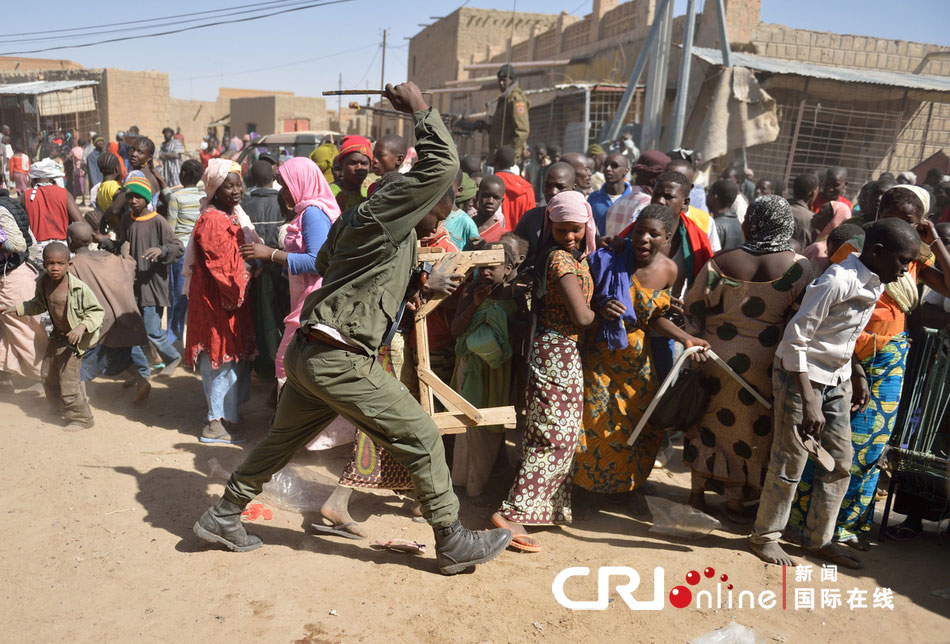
(519, 541)
(901, 533)
(338, 529)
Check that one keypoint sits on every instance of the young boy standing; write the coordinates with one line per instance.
(150, 241)
(812, 386)
(77, 316)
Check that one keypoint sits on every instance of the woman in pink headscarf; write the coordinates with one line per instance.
(829, 216)
(541, 494)
(304, 189)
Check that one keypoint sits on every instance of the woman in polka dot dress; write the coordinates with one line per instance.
(541, 494)
(741, 302)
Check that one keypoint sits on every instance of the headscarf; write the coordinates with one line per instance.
(323, 156)
(770, 225)
(919, 192)
(818, 252)
(648, 167)
(140, 186)
(595, 148)
(354, 143)
(571, 206)
(214, 175)
(46, 170)
(97, 139)
(308, 187)
(467, 190)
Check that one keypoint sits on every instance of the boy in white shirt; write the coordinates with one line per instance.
(812, 387)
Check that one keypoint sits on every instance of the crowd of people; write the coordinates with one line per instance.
(615, 262)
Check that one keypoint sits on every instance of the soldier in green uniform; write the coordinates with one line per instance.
(509, 125)
(331, 363)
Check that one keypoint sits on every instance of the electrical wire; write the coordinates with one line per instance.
(282, 65)
(176, 31)
(366, 73)
(165, 22)
(260, 5)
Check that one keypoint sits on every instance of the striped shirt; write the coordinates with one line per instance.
(184, 206)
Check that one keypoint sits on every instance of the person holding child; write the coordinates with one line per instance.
(77, 316)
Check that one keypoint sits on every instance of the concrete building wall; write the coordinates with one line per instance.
(193, 118)
(313, 110)
(20, 64)
(134, 98)
(258, 113)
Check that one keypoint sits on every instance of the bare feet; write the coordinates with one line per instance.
(520, 539)
(836, 554)
(771, 553)
(335, 510)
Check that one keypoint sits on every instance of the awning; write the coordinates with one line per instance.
(35, 88)
(902, 80)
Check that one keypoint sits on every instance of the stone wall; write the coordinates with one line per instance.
(193, 118)
(134, 98)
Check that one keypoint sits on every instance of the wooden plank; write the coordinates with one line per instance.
(422, 362)
(449, 397)
(455, 423)
(460, 263)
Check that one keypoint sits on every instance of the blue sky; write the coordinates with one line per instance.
(305, 51)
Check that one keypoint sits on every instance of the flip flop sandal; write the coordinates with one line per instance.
(516, 542)
(337, 530)
(811, 445)
(858, 544)
(404, 546)
(901, 533)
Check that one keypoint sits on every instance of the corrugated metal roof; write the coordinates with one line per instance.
(35, 88)
(843, 74)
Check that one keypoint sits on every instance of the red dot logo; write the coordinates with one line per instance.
(709, 572)
(692, 578)
(724, 578)
(680, 596)
(729, 587)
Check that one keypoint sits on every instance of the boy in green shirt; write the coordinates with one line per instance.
(77, 316)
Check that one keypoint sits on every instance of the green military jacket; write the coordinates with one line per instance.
(510, 124)
(371, 249)
(81, 307)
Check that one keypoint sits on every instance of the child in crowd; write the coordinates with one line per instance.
(184, 206)
(845, 233)
(77, 316)
(489, 217)
(122, 334)
(486, 324)
(812, 386)
(148, 238)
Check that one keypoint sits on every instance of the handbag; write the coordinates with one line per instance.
(684, 403)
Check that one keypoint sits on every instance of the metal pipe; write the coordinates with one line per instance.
(611, 131)
(798, 128)
(724, 34)
(657, 83)
(587, 119)
(682, 87)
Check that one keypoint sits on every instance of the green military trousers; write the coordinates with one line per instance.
(322, 382)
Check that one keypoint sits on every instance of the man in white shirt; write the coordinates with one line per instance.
(812, 387)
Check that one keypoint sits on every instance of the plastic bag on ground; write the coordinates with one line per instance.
(679, 519)
(730, 634)
(294, 488)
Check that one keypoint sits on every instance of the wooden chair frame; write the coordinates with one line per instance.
(461, 414)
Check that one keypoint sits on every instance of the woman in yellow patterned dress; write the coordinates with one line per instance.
(619, 383)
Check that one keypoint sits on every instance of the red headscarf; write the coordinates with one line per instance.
(354, 143)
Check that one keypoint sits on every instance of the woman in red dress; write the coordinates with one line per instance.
(220, 336)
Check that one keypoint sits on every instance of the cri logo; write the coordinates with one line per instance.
(680, 596)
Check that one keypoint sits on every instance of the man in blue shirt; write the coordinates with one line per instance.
(615, 187)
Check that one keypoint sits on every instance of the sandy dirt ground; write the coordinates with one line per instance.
(97, 546)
